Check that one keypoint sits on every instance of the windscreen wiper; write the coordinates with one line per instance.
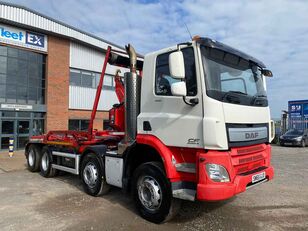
(233, 98)
(237, 92)
(260, 102)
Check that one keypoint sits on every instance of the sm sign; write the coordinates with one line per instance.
(35, 39)
(19, 37)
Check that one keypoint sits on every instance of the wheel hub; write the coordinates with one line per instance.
(31, 157)
(45, 161)
(149, 193)
(90, 175)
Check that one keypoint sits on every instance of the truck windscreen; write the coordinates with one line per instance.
(232, 79)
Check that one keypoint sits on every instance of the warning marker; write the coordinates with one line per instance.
(11, 147)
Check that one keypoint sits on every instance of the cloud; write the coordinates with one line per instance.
(275, 32)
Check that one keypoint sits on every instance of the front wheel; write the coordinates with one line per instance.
(93, 177)
(152, 193)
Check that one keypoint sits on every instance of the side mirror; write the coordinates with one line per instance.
(176, 65)
(178, 88)
(267, 73)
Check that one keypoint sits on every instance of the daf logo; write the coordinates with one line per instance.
(251, 135)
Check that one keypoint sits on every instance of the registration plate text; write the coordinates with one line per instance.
(258, 177)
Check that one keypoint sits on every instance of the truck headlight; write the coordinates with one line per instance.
(217, 173)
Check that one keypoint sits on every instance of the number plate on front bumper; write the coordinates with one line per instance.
(258, 177)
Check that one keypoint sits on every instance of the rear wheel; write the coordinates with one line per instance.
(46, 164)
(33, 158)
(152, 193)
(93, 177)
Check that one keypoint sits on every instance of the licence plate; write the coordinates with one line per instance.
(288, 143)
(258, 177)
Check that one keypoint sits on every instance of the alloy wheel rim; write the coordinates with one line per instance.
(31, 157)
(149, 193)
(90, 175)
(45, 161)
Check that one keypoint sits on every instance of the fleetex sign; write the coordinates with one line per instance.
(23, 38)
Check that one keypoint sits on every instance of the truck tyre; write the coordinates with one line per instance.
(152, 193)
(33, 158)
(46, 162)
(93, 176)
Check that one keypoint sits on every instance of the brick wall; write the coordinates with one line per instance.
(86, 115)
(57, 91)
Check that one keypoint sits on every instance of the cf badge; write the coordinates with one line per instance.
(193, 141)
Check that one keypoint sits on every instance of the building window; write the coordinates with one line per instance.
(89, 79)
(22, 76)
(78, 125)
(75, 77)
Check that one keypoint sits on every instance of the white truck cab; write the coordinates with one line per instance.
(225, 103)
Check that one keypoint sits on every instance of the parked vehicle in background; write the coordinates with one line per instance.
(294, 137)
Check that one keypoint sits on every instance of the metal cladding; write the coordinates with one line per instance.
(132, 105)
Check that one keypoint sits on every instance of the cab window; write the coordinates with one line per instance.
(163, 80)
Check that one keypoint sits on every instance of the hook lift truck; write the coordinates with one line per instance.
(192, 123)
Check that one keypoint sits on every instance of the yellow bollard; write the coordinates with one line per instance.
(11, 147)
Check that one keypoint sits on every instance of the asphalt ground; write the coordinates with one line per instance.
(29, 201)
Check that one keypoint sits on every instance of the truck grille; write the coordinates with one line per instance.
(247, 159)
(240, 135)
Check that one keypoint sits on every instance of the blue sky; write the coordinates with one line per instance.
(275, 31)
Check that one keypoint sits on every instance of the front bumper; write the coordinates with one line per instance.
(290, 142)
(222, 191)
(207, 190)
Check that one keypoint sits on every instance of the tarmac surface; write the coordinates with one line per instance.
(29, 201)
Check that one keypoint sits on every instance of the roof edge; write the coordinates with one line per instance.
(59, 22)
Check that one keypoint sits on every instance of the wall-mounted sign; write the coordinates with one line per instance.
(295, 110)
(16, 107)
(305, 110)
(23, 38)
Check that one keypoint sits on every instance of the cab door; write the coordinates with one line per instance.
(164, 115)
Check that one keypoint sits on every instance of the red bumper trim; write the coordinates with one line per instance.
(222, 191)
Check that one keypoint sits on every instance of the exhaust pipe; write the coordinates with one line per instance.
(132, 101)
(132, 58)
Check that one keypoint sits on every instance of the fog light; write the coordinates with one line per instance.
(217, 173)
